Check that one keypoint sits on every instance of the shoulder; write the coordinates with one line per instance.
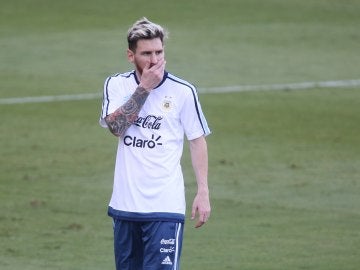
(179, 82)
(119, 80)
(182, 87)
(121, 76)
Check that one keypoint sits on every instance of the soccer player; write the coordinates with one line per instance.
(151, 111)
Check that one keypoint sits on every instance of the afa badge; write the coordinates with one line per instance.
(167, 104)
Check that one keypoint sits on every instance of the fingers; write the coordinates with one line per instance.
(201, 207)
(159, 67)
(199, 224)
(152, 75)
(147, 66)
(202, 219)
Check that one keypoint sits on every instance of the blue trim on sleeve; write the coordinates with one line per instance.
(195, 97)
(106, 96)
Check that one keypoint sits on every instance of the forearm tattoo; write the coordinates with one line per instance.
(119, 121)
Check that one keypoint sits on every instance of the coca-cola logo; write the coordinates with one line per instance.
(150, 122)
(170, 241)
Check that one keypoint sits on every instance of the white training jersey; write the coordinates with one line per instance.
(148, 180)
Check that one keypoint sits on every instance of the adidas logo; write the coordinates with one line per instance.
(167, 261)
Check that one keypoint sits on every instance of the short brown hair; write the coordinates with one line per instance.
(144, 29)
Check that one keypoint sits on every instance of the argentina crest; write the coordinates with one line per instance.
(167, 104)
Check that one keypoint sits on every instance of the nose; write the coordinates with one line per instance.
(153, 58)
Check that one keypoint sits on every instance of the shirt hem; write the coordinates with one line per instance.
(153, 216)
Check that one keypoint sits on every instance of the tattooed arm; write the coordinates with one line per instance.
(119, 121)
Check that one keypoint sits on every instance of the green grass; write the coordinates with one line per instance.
(69, 47)
(284, 165)
(284, 184)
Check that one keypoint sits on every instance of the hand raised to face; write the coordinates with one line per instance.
(152, 75)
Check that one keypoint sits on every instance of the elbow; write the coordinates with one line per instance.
(118, 124)
(113, 127)
(114, 133)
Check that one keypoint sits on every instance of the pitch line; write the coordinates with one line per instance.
(40, 99)
(286, 86)
(204, 90)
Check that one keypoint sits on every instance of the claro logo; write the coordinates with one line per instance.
(140, 143)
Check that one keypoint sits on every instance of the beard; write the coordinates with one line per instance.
(138, 68)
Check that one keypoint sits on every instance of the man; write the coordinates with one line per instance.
(150, 110)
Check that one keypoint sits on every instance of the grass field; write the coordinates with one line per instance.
(284, 165)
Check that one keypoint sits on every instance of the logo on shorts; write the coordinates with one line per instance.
(170, 241)
(167, 261)
(167, 250)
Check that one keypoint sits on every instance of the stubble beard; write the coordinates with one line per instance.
(139, 70)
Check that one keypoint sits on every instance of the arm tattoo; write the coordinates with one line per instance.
(119, 121)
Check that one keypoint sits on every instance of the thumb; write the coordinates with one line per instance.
(193, 212)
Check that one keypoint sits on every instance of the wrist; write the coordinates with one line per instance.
(147, 89)
(203, 191)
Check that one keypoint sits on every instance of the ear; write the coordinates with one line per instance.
(130, 55)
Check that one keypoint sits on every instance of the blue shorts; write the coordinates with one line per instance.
(147, 245)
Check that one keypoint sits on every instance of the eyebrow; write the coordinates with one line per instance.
(146, 52)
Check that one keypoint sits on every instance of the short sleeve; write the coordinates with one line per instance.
(111, 99)
(192, 117)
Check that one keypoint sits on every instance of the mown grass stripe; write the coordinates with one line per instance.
(204, 90)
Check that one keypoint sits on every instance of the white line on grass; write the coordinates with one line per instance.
(39, 99)
(213, 90)
(286, 86)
